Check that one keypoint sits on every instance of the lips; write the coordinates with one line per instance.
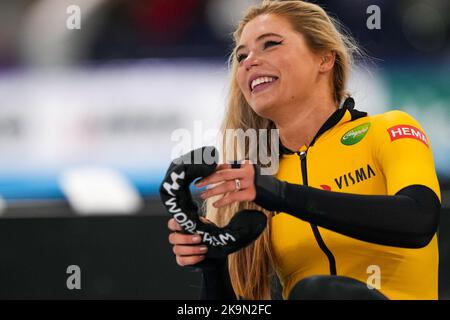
(260, 80)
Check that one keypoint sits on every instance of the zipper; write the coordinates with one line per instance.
(315, 229)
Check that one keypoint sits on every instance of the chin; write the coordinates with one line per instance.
(263, 110)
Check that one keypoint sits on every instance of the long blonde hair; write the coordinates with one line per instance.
(251, 268)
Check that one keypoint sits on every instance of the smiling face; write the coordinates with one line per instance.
(276, 68)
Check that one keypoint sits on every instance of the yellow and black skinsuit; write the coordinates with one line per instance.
(363, 198)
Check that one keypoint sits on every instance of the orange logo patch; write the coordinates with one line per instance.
(406, 131)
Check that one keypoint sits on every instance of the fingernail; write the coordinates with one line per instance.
(196, 238)
(203, 249)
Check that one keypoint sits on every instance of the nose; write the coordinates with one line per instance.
(252, 60)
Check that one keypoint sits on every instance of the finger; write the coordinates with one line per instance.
(245, 195)
(247, 166)
(181, 238)
(204, 220)
(246, 163)
(219, 176)
(189, 260)
(223, 166)
(229, 186)
(173, 225)
(183, 250)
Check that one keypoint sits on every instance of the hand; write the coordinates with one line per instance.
(243, 228)
(188, 248)
(224, 177)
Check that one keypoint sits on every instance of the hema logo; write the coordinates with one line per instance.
(407, 131)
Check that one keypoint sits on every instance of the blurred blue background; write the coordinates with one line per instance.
(112, 94)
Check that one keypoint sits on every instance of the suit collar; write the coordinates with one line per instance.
(344, 114)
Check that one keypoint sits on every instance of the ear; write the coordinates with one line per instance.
(327, 61)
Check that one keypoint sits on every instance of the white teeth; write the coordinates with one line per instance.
(260, 80)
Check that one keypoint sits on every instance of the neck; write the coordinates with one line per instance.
(300, 130)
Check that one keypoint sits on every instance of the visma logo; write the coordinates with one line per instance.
(356, 176)
(355, 135)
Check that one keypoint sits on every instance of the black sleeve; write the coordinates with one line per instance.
(408, 219)
(216, 283)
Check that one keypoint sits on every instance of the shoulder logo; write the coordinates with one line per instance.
(355, 135)
(406, 131)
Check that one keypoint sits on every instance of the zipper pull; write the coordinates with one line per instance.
(302, 154)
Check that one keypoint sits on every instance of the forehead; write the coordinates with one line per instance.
(266, 23)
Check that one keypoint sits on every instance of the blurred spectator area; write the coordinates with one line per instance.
(35, 31)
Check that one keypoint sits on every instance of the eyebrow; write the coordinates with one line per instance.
(264, 35)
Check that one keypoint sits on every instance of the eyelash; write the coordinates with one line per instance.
(272, 43)
(267, 44)
(241, 57)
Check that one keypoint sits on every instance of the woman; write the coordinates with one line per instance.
(355, 196)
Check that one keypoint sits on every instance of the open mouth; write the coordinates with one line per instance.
(261, 83)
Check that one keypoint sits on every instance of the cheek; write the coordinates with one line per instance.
(291, 76)
(240, 79)
(300, 74)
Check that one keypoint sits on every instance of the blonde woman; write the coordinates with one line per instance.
(355, 200)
